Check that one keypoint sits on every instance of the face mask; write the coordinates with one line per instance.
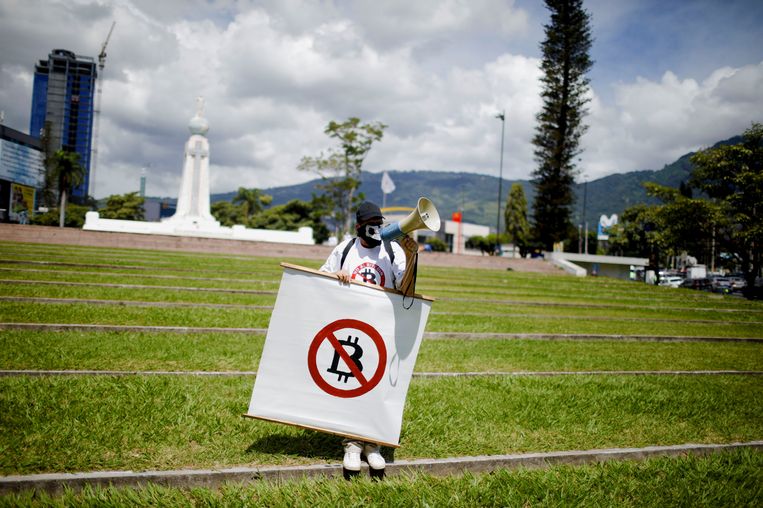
(371, 234)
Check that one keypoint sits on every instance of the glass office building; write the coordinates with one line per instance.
(64, 95)
(21, 174)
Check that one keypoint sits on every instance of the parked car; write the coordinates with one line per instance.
(737, 283)
(720, 285)
(701, 284)
(672, 281)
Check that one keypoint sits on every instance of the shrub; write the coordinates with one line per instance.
(75, 216)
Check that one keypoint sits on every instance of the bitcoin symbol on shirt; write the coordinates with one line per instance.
(357, 352)
(368, 275)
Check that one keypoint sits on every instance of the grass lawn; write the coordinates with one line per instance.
(65, 423)
(135, 294)
(82, 423)
(726, 479)
(85, 313)
(72, 350)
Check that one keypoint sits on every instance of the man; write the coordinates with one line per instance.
(370, 259)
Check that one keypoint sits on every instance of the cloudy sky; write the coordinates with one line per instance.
(669, 77)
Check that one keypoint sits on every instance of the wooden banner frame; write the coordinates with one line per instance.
(359, 283)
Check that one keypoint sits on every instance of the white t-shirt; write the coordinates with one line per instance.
(368, 265)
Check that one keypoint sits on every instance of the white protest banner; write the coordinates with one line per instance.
(338, 358)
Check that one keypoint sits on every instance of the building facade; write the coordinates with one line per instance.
(22, 173)
(63, 94)
(454, 234)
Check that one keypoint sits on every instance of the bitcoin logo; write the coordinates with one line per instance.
(342, 358)
(370, 273)
(357, 352)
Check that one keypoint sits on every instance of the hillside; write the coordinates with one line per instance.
(477, 194)
(614, 193)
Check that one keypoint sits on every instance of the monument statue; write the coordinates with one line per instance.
(193, 199)
(193, 217)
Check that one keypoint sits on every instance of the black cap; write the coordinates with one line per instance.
(368, 211)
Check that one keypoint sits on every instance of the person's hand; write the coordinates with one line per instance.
(343, 276)
(409, 245)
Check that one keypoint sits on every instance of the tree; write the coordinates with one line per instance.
(321, 207)
(679, 224)
(75, 216)
(683, 223)
(340, 169)
(292, 216)
(436, 245)
(565, 88)
(66, 172)
(515, 215)
(485, 244)
(124, 207)
(252, 201)
(227, 213)
(732, 176)
(481, 243)
(245, 205)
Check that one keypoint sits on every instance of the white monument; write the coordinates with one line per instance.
(193, 201)
(192, 216)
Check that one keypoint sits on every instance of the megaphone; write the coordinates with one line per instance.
(425, 216)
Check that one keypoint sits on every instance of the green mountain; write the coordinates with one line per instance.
(614, 193)
(477, 195)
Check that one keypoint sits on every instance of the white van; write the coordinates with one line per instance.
(671, 281)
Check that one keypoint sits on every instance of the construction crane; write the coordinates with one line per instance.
(97, 111)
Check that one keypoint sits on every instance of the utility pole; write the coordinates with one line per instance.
(585, 196)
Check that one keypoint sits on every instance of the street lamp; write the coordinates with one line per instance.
(502, 117)
(585, 198)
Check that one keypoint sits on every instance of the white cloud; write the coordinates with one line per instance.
(653, 123)
(406, 23)
(462, 132)
(275, 72)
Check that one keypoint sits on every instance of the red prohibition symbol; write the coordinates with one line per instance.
(327, 333)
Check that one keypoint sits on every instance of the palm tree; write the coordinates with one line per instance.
(254, 200)
(67, 172)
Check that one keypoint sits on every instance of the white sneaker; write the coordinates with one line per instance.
(351, 460)
(373, 456)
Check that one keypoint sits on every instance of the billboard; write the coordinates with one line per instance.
(21, 164)
(21, 203)
(602, 232)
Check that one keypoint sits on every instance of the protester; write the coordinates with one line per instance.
(368, 258)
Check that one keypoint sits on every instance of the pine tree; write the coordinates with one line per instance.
(565, 87)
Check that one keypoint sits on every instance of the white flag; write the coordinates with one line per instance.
(387, 185)
(338, 358)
